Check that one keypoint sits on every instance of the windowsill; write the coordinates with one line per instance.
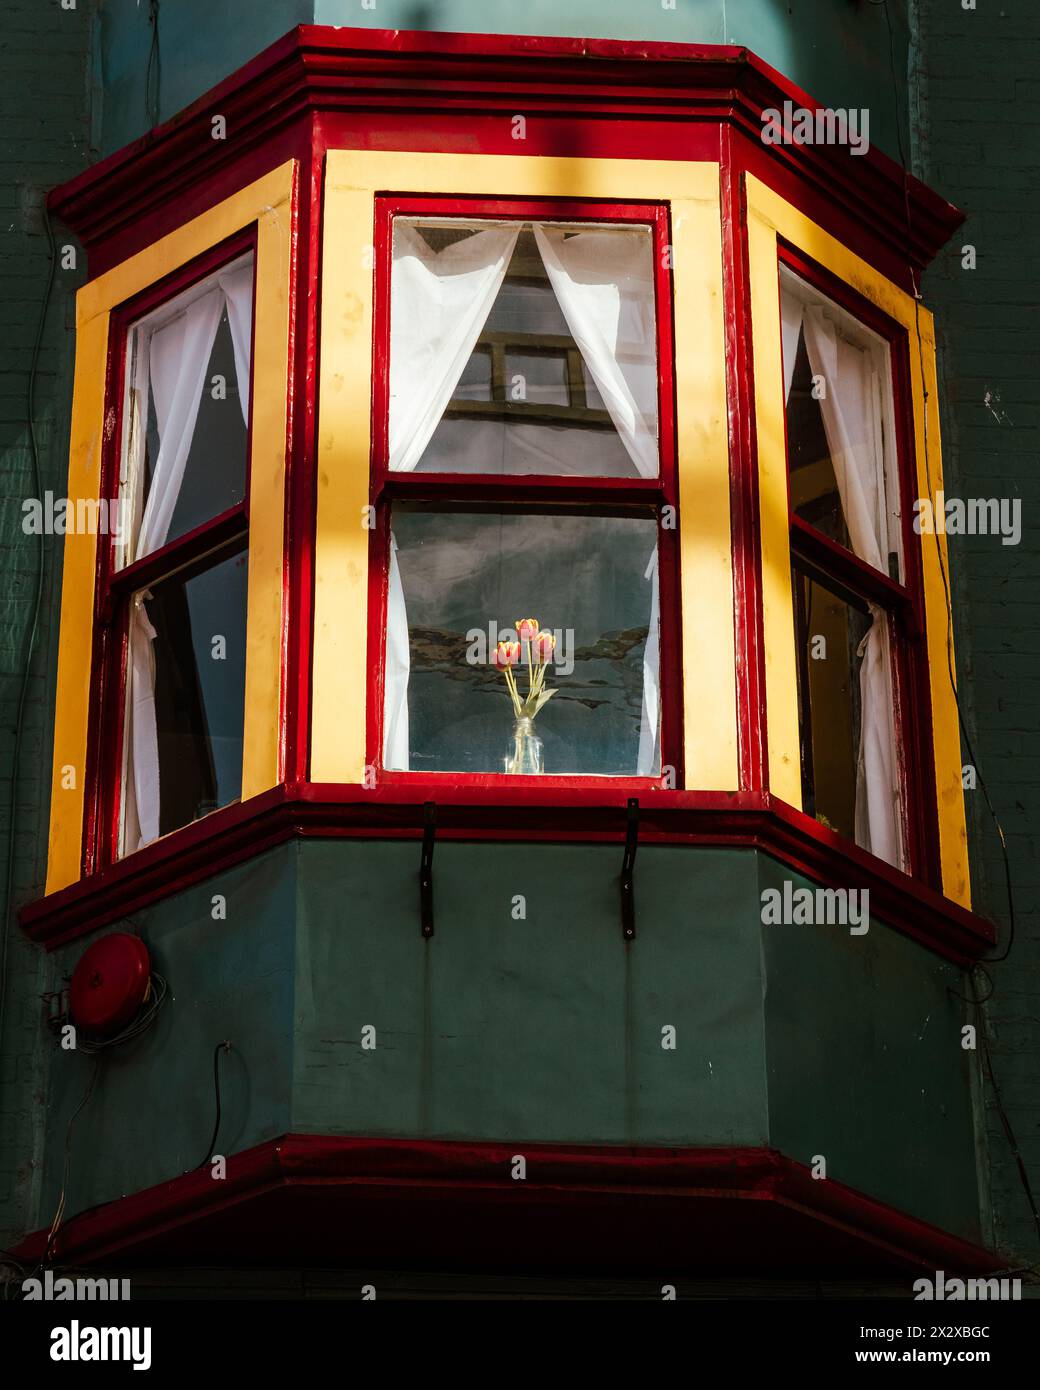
(589, 810)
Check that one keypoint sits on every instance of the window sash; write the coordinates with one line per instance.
(524, 491)
(219, 537)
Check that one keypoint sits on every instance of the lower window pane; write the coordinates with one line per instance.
(185, 700)
(830, 631)
(461, 580)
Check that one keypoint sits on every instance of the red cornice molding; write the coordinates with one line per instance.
(315, 68)
(411, 1186)
(743, 820)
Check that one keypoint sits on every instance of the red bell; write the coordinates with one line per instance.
(109, 984)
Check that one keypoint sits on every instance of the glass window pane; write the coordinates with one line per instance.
(538, 377)
(185, 441)
(184, 723)
(215, 473)
(475, 381)
(814, 488)
(829, 633)
(486, 372)
(840, 426)
(466, 578)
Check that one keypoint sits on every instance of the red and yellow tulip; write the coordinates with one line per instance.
(540, 643)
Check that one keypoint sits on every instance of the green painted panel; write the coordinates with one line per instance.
(151, 1114)
(545, 1029)
(866, 1066)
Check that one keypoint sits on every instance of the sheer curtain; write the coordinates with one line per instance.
(237, 285)
(851, 413)
(650, 718)
(172, 364)
(603, 281)
(439, 302)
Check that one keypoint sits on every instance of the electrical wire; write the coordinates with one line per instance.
(143, 1021)
(60, 1210)
(224, 1046)
(1009, 1133)
(154, 66)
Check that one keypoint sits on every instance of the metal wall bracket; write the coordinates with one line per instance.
(628, 892)
(426, 868)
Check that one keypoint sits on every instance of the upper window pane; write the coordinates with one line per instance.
(840, 426)
(523, 348)
(187, 410)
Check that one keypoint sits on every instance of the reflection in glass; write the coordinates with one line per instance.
(467, 577)
(198, 649)
(830, 629)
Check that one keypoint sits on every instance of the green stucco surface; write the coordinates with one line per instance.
(543, 1029)
(865, 1063)
(838, 50)
(546, 1029)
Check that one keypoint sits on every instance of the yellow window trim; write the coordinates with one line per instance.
(770, 216)
(338, 729)
(269, 204)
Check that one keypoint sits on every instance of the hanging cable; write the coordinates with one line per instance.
(66, 1169)
(224, 1046)
(153, 73)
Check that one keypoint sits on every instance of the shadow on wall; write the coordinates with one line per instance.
(838, 50)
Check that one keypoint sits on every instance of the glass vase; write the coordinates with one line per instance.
(525, 756)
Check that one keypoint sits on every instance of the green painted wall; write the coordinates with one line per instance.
(543, 1029)
(838, 50)
(546, 1029)
(865, 1064)
(152, 1108)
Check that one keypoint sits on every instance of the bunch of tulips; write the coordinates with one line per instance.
(508, 653)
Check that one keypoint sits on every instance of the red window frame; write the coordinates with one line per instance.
(525, 491)
(114, 586)
(904, 603)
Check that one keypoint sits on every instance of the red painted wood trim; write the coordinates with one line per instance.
(566, 814)
(478, 1172)
(749, 644)
(113, 588)
(467, 75)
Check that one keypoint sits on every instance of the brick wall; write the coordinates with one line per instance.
(977, 135)
(44, 135)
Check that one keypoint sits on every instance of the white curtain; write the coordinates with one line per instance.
(174, 366)
(650, 720)
(603, 281)
(397, 670)
(439, 302)
(850, 407)
(791, 310)
(237, 285)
